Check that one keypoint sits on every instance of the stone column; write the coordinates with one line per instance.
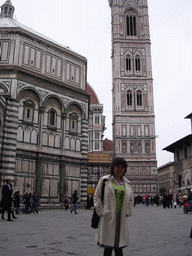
(63, 118)
(39, 175)
(40, 137)
(62, 180)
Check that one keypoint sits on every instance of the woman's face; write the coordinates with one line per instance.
(119, 170)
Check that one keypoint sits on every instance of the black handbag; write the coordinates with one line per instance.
(95, 217)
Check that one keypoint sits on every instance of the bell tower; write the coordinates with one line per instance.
(132, 93)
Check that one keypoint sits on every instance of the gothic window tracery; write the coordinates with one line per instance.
(139, 99)
(131, 22)
(129, 98)
(128, 64)
(137, 64)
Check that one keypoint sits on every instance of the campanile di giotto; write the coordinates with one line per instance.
(132, 93)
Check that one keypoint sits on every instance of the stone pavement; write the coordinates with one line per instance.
(154, 231)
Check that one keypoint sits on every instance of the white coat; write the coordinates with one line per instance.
(107, 212)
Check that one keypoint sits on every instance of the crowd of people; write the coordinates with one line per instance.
(30, 202)
(167, 200)
(11, 203)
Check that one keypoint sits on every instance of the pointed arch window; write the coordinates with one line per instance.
(139, 98)
(138, 64)
(129, 99)
(128, 64)
(131, 25)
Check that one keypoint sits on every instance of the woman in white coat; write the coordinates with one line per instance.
(117, 205)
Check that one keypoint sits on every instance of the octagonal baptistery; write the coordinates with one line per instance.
(43, 113)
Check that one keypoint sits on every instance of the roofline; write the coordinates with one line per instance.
(177, 143)
(165, 165)
(189, 116)
(40, 37)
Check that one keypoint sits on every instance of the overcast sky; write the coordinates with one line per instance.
(85, 26)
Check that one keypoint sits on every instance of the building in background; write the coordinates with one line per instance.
(132, 94)
(166, 179)
(100, 152)
(44, 109)
(182, 150)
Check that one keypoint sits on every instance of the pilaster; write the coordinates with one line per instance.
(9, 139)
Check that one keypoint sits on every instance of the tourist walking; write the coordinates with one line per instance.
(26, 202)
(74, 202)
(112, 233)
(34, 203)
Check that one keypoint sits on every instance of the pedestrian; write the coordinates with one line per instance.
(7, 200)
(89, 202)
(175, 200)
(74, 202)
(112, 233)
(66, 202)
(34, 204)
(156, 200)
(16, 202)
(26, 202)
(147, 201)
(165, 200)
(169, 200)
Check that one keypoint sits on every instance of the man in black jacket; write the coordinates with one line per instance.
(7, 200)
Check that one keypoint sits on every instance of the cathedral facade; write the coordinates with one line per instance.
(132, 93)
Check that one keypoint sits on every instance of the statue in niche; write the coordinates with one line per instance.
(147, 150)
(139, 148)
(132, 147)
(124, 148)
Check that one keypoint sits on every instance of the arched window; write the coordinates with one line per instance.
(139, 98)
(131, 25)
(129, 98)
(52, 118)
(128, 64)
(73, 119)
(137, 64)
(28, 114)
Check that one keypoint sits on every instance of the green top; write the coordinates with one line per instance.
(119, 194)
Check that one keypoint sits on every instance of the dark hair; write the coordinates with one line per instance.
(117, 161)
(7, 181)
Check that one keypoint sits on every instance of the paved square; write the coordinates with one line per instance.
(154, 231)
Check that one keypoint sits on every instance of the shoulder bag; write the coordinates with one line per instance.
(95, 217)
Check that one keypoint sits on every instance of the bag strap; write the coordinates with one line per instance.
(103, 189)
